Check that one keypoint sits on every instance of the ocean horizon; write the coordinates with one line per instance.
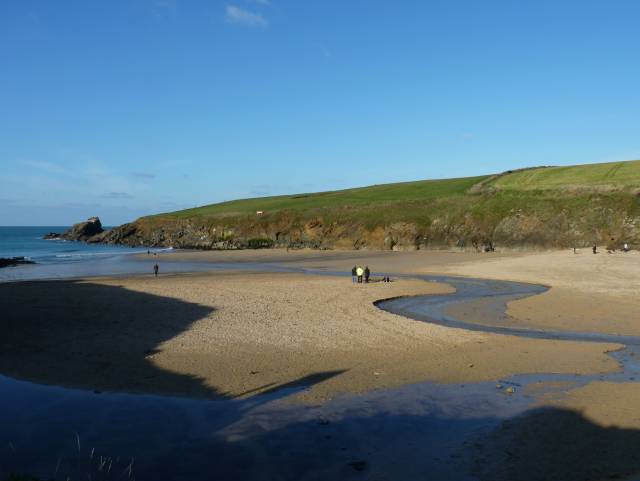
(58, 258)
(28, 242)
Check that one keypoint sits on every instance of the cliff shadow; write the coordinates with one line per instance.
(101, 337)
(542, 444)
(553, 443)
(94, 336)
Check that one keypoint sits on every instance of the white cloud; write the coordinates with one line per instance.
(117, 195)
(238, 16)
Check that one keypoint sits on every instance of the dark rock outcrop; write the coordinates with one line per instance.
(14, 261)
(52, 236)
(85, 231)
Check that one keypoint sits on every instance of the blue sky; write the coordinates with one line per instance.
(122, 108)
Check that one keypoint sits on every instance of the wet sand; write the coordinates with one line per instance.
(228, 335)
(412, 262)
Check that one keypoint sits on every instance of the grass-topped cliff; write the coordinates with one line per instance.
(537, 207)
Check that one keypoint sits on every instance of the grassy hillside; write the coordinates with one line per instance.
(406, 191)
(615, 176)
(538, 207)
(611, 176)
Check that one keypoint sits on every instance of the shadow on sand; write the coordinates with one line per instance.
(551, 443)
(93, 336)
(63, 333)
(540, 445)
(101, 337)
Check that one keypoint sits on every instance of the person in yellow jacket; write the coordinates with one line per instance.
(359, 273)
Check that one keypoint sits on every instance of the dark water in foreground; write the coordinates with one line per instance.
(421, 431)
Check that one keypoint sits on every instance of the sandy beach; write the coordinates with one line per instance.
(241, 334)
(231, 334)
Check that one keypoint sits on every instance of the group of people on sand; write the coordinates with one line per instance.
(360, 275)
(594, 248)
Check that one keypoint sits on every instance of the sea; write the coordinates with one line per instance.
(63, 259)
(29, 242)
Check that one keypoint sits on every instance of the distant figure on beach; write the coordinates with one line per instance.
(148, 252)
(359, 273)
(354, 274)
(155, 269)
(367, 274)
(595, 249)
(626, 247)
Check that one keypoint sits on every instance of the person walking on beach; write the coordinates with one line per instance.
(155, 269)
(367, 274)
(595, 249)
(359, 273)
(354, 274)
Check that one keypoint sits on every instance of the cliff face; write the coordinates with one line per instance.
(550, 226)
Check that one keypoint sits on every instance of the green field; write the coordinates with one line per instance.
(386, 193)
(615, 176)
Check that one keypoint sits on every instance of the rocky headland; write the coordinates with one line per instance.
(87, 231)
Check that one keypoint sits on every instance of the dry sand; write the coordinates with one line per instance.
(230, 335)
(590, 293)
